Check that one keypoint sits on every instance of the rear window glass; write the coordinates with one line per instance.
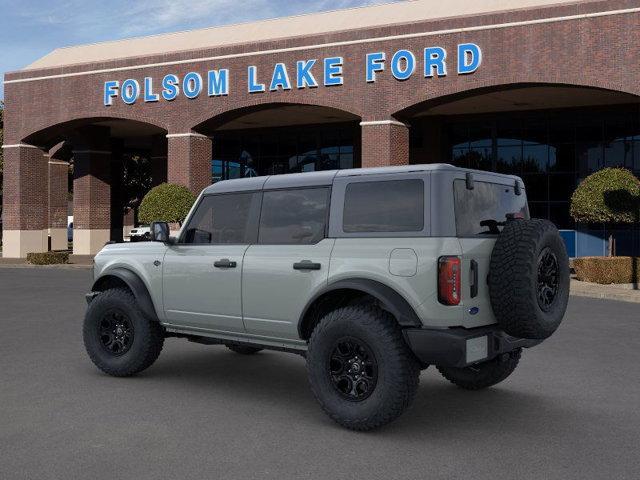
(385, 206)
(484, 210)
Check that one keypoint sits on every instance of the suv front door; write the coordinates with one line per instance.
(289, 262)
(202, 272)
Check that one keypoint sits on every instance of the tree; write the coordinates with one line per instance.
(611, 195)
(136, 182)
(166, 202)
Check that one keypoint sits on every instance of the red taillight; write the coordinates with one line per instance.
(449, 280)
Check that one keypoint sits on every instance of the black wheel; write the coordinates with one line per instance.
(529, 279)
(119, 339)
(483, 375)
(244, 349)
(360, 369)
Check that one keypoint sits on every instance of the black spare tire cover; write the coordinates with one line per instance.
(529, 278)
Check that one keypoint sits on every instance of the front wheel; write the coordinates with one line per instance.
(118, 337)
(483, 375)
(360, 369)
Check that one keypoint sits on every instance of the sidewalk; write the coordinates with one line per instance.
(75, 261)
(622, 292)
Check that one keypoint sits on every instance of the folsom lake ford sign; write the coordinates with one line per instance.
(309, 73)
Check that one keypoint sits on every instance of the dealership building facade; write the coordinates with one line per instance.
(544, 89)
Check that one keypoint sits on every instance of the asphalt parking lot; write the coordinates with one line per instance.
(571, 409)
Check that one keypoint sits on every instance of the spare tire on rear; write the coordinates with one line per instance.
(529, 278)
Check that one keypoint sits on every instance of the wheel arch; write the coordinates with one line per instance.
(122, 277)
(344, 291)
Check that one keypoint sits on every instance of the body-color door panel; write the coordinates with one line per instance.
(198, 294)
(274, 293)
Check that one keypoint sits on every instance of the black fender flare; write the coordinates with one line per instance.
(135, 284)
(389, 299)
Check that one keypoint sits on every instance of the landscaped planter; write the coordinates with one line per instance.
(607, 270)
(48, 258)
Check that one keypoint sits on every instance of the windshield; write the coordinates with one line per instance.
(484, 210)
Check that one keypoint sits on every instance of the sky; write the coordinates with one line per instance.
(29, 29)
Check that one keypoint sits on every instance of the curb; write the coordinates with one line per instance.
(604, 292)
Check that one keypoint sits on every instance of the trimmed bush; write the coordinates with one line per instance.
(607, 270)
(48, 258)
(166, 203)
(611, 195)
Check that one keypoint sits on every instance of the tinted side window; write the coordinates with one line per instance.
(228, 218)
(483, 210)
(384, 206)
(297, 216)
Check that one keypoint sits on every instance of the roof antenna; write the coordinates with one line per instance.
(469, 180)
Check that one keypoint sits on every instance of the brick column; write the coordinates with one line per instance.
(91, 189)
(189, 160)
(158, 160)
(58, 191)
(25, 210)
(91, 200)
(384, 143)
(117, 208)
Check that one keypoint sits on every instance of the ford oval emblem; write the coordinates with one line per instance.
(473, 310)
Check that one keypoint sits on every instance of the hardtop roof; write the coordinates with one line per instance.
(326, 177)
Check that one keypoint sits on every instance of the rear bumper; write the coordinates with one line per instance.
(460, 347)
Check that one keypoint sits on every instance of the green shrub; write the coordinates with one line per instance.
(167, 203)
(48, 258)
(606, 270)
(611, 195)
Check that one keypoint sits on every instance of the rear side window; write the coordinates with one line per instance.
(484, 210)
(297, 216)
(384, 206)
(224, 219)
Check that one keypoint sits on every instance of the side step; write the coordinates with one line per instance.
(219, 341)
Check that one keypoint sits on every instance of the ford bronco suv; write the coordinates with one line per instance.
(371, 274)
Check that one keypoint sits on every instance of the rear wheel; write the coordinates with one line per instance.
(483, 375)
(244, 349)
(118, 337)
(360, 369)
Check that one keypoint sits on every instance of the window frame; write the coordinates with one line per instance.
(336, 221)
(325, 233)
(252, 221)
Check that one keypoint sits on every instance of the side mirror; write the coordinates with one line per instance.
(160, 232)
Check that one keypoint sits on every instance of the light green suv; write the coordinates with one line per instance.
(371, 274)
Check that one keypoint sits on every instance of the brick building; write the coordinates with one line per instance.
(546, 89)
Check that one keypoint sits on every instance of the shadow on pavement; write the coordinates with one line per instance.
(280, 380)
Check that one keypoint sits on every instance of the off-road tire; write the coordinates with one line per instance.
(514, 278)
(483, 375)
(398, 370)
(148, 335)
(244, 349)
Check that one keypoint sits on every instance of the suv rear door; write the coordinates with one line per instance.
(480, 213)
(202, 272)
(289, 262)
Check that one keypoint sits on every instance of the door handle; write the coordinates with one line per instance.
(306, 265)
(224, 263)
(474, 279)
